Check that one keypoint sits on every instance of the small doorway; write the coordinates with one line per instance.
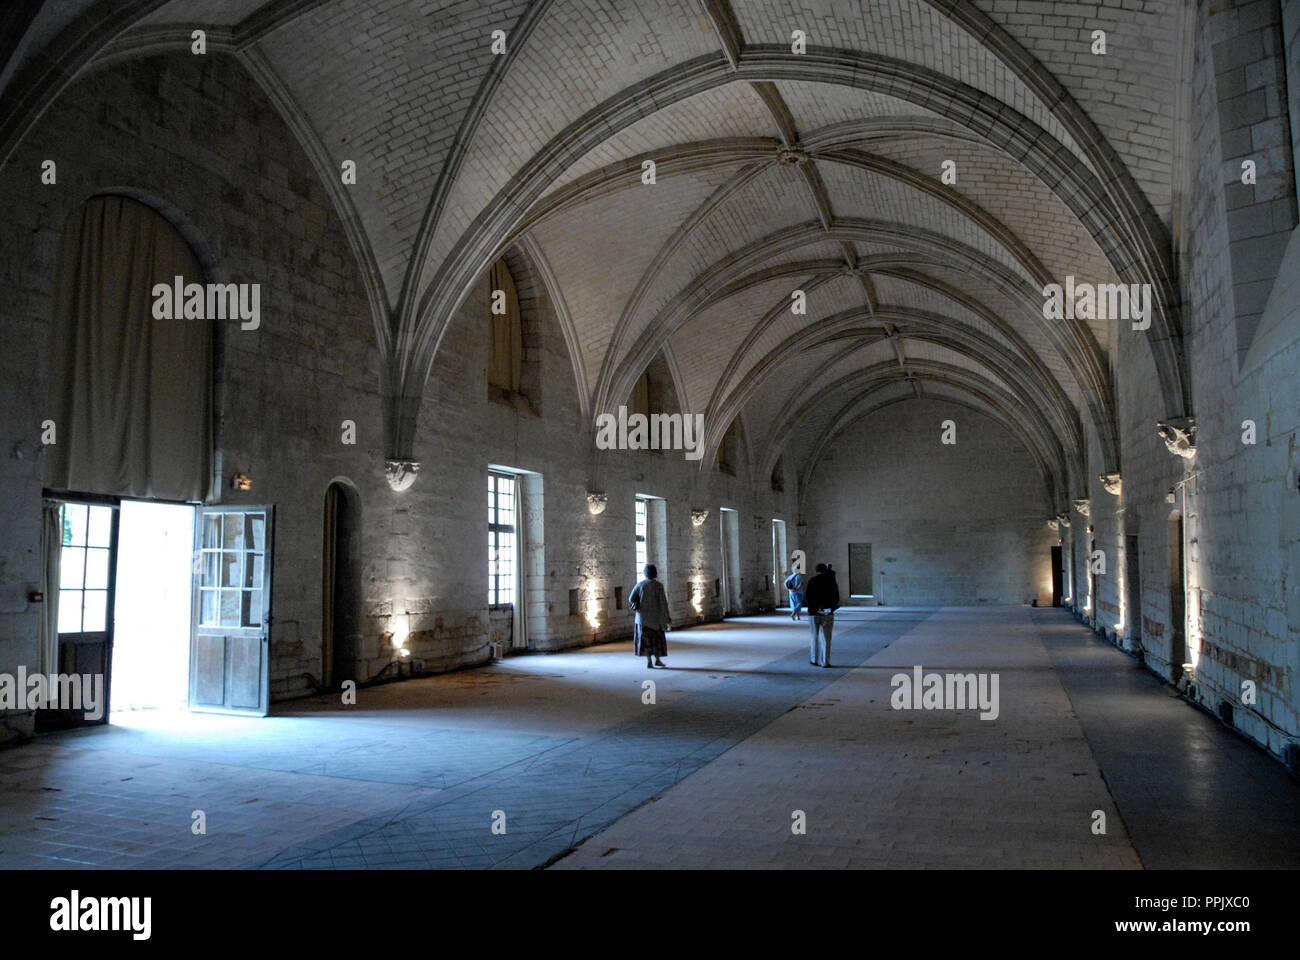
(860, 570)
(1177, 597)
(1058, 575)
(341, 586)
(1133, 579)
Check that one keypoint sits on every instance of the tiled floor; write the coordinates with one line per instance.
(743, 733)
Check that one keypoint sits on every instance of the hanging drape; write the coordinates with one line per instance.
(47, 653)
(520, 624)
(130, 395)
(506, 354)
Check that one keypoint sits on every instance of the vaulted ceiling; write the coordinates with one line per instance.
(775, 171)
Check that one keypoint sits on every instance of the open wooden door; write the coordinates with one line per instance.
(87, 569)
(230, 640)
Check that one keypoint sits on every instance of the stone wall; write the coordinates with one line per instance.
(949, 524)
(197, 139)
(231, 178)
(1238, 500)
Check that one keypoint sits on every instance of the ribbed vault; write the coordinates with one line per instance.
(776, 171)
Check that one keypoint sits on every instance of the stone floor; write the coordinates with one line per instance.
(562, 752)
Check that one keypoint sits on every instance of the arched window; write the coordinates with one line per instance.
(506, 352)
(130, 394)
(729, 449)
(639, 402)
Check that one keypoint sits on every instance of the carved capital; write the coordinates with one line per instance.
(1063, 521)
(1111, 482)
(1179, 434)
(401, 473)
(1083, 506)
(698, 516)
(597, 500)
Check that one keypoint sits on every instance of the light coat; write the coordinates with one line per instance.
(650, 601)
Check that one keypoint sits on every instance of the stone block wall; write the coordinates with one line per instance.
(1238, 500)
(949, 524)
(235, 183)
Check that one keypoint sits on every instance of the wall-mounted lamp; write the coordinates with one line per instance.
(597, 500)
(241, 481)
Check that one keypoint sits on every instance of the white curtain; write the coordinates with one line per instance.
(521, 569)
(131, 394)
(47, 653)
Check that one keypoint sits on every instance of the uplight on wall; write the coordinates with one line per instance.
(593, 606)
(399, 630)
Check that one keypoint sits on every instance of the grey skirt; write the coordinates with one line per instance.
(649, 642)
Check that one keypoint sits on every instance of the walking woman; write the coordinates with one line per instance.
(650, 601)
(795, 584)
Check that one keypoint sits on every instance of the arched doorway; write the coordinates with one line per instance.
(341, 586)
(130, 399)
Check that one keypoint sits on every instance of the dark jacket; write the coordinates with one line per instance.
(822, 592)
